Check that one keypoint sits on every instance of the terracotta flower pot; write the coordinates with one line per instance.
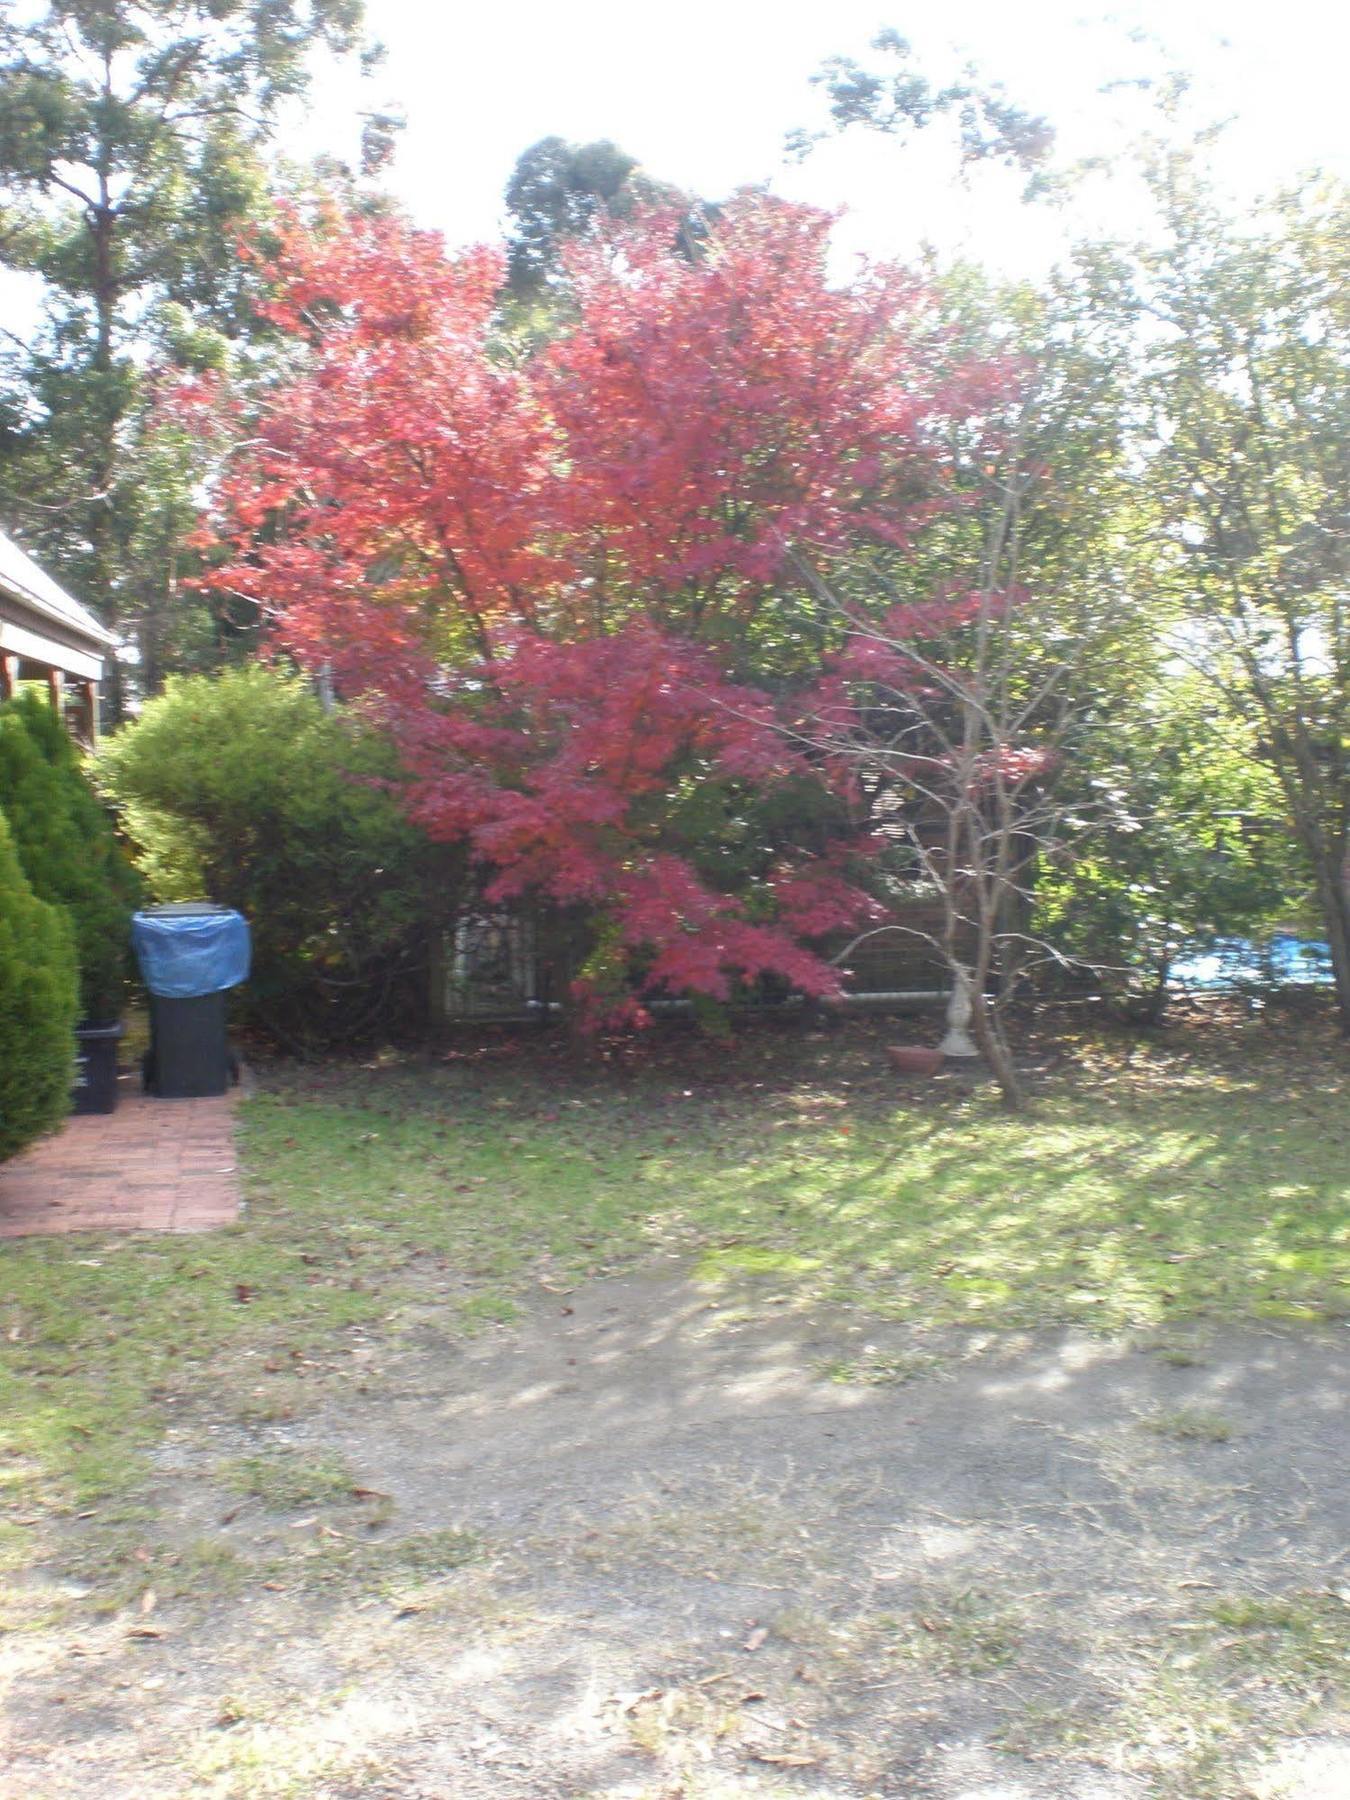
(915, 1059)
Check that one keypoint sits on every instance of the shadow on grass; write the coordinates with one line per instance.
(1148, 1186)
(1125, 1199)
(697, 1555)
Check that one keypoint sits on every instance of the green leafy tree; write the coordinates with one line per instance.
(1170, 831)
(1186, 406)
(37, 1007)
(1247, 383)
(134, 138)
(556, 192)
(560, 193)
(1175, 839)
(891, 94)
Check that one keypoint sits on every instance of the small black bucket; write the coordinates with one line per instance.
(95, 1089)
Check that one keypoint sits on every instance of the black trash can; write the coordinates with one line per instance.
(190, 956)
(96, 1068)
(189, 1052)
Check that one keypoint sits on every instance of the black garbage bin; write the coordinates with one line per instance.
(95, 1089)
(190, 956)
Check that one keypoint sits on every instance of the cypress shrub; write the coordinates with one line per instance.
(37, 1007)
(68, 848)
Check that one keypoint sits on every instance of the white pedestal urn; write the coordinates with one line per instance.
(958, 1041)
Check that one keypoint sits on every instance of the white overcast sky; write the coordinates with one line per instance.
(703, 94)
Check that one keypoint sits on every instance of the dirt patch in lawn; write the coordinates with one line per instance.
(664, 1538)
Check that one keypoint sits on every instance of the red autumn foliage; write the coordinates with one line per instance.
(557, 574)
(539, 758)
(719, 413)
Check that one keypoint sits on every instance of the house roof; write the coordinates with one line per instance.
(32, 587)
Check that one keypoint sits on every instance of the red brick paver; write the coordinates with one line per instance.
(153, 1165)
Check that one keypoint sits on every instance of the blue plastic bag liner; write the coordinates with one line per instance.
(1283, 961)
(188, 951)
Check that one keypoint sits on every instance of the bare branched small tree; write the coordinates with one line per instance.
(955, 715)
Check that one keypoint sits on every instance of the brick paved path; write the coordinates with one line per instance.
(153, 1165)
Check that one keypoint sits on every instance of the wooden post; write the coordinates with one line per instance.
(9, 675)
(438, 1012)
(89, 707)
(56, 692)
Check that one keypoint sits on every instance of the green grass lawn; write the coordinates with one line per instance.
(1199, 1176)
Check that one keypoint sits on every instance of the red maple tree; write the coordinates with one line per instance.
(569, 578)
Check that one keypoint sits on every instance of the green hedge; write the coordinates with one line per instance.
(240, 788)
(68, 847)
(37, 1007)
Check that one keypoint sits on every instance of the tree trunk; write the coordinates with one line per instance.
(1335, 908)
(994, 1047)
(102, 468)
(1154, 1005)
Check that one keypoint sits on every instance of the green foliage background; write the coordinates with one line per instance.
(137, 143)
(1181, 842)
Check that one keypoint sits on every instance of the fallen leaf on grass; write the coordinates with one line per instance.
(756, 1638)
(784, 1759)
(148, 1599)
(145, 1631)
(364, 1493)
(629, 1703)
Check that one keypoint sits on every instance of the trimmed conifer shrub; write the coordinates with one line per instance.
(68, 849)
(37, 1007)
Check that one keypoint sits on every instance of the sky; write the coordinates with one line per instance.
(704, 95)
